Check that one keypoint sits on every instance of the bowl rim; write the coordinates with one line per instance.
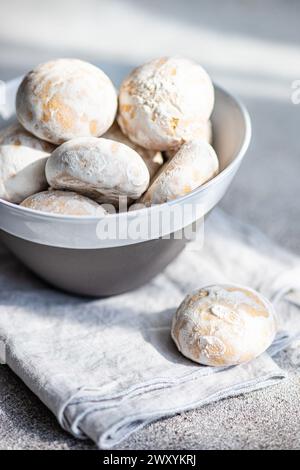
(134, 213)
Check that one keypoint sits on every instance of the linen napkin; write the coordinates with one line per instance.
(108, 367)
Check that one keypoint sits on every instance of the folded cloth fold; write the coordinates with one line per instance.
(108, 367)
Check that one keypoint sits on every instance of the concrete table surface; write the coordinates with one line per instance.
(250, 47)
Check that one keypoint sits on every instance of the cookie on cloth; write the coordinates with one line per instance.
(224, 325)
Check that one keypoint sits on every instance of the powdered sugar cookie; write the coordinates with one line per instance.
(66, 98)
(195, 163)
(63, 202)
(224, 325)
(99, 168)
(22, 163)
(165, 103)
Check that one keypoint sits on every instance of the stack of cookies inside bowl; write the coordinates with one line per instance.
(78, 145)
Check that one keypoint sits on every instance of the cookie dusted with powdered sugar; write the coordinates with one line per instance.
(195, 163)
(98, 168)
(224, 325)
(22, 163)
(66, 98)
(166, 102)
(64, 203)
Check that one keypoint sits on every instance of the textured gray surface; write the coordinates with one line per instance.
(252, 48)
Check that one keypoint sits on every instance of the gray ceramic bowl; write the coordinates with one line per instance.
(72, 253)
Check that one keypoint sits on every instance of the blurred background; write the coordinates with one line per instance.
(248, 46)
